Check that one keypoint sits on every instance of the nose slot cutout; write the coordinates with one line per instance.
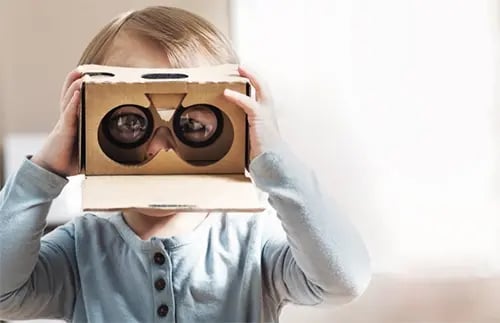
(165, 104)
(162, 140)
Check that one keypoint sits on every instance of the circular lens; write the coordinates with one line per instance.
(128, 126)
(198, 125)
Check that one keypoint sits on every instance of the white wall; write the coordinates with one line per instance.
(393, 102)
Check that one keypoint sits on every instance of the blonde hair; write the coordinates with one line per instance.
(184, 36)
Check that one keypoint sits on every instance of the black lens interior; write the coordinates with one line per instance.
(128, 126)
(198, 125)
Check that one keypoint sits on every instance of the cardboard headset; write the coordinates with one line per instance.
(201, 166)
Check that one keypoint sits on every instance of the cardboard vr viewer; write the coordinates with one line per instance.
(164, 139)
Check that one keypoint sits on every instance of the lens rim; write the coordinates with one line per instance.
(144, 139)
(198, 144)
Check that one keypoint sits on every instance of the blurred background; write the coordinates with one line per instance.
(392, 102)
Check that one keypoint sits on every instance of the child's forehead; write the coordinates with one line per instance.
(133, 51)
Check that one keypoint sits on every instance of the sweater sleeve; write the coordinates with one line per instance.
(321, 257)
(37, 276)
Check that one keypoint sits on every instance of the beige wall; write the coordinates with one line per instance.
(42, 41)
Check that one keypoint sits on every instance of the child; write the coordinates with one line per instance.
(154, 266)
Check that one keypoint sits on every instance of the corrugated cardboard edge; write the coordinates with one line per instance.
(180, 193)
(81, 132)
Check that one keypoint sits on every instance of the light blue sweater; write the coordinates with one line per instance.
(231, 268)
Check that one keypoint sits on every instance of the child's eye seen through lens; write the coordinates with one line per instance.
(190, 125)
(128, 127)
(198, 124)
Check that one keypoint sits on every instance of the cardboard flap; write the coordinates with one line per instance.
(229, 193)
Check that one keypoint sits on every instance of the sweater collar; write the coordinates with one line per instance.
(170, 243)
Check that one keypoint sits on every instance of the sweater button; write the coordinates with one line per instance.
(162, 310)
(159, 258)
(160, 284)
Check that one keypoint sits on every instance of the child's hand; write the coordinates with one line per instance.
(59, 152)
(264, 133)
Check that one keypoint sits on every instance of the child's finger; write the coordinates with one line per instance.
(75, 86)
(70, 78)
(262, 94)
(248, 105)
(70, 114)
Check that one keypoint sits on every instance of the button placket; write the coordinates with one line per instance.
(160, 274)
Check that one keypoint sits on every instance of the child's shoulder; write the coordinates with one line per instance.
(264, 224)
(95, 218)
(240, 220)
(95, 224)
